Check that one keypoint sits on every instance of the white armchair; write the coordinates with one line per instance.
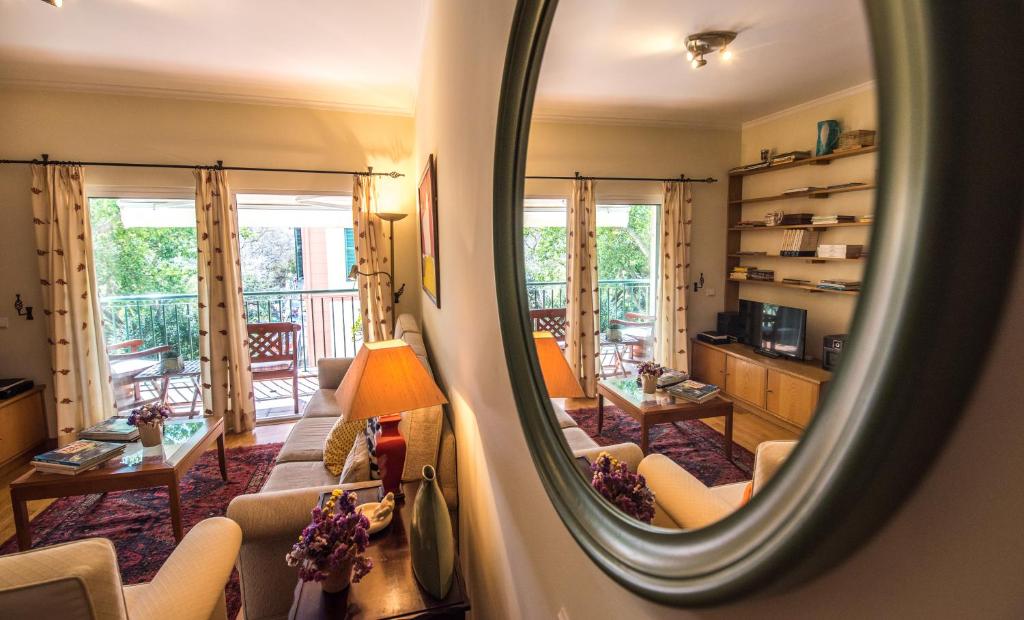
(81, 580)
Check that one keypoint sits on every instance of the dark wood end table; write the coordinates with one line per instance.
(137, 468)
(659, 408)
(390, 590)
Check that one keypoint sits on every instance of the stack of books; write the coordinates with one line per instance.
(867, 219)
(801, 190)
(761, 274)
(786, 158)
(749, 167)
(840, 250)
(796, 219)
(832, 219)
(799, 242)
(694, 391)
(76, 457)
(670, 378)
(796, 281)
(740, 272)
(751, 223)
(839, 285)
(112, 429)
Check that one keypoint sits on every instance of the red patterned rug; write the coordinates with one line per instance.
(693, 445)
(139, 523)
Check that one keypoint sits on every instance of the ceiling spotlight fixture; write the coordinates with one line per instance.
(56, 3)
(697, 45)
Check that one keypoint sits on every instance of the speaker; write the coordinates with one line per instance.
(729, 323)
(832, 351)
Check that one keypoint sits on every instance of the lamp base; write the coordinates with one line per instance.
(390, 455)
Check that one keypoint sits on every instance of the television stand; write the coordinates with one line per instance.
(768, 353)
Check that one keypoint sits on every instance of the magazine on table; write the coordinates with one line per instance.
(111, 429)
(77, 456)
(694, 391)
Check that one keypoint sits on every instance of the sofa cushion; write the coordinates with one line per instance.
(306, 441)
(298, 475)
(564, 419)
(322, 404)
(768, 458)
(731, 493)
(578, 440)
(339, 443)
(405, 324)
(422, 431)
(357, 463)
(682, 497)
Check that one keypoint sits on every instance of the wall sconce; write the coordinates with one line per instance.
(699, 284)
(22, 309)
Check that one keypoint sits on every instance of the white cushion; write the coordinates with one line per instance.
(564, 419)
(578, 440)
(357, 465)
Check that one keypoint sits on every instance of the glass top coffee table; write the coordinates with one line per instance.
(659, 408)
(137, 468)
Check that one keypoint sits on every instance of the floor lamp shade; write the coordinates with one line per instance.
(558, 376)
(385, 380)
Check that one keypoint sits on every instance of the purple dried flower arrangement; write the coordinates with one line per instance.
(153, 414)
(335, 539)
(649, 369)
(627, 490)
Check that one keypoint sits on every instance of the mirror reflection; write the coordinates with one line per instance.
(699, 200)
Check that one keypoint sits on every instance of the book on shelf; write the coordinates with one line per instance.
(671, 377)
(796, 219)
(840, 250)
(761, 274)
(832, 219)
(801, 190)
(694, 391)
(799, 242)
(796, 281)
(749, 167)
(111, 429)
(840, 285)
(77, 456)
(786, 158)
(845, 185)
(751, 224)
(751, 253)
(866, 219)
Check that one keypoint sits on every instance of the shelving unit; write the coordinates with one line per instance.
(736, 202)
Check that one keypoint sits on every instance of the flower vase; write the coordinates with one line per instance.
(649, 383)
(150, 435)
(430, 538)
(337, 580)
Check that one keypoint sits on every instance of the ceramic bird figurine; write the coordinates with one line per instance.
(384, 510)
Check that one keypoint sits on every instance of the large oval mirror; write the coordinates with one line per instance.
(724, 239)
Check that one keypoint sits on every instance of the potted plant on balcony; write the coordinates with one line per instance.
(330, 549)
(150, 420)
(649, 372)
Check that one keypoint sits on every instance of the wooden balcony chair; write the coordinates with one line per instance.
(552, 320)
(640, 327)
(125, 368)
(274, 353)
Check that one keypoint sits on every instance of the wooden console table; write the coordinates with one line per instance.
(22, 427)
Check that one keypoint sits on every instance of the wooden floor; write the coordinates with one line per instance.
(748, 428)
(266, 433)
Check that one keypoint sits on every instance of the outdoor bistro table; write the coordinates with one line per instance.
(190, 369)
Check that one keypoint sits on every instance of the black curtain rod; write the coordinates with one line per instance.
(681, 178)
(46, 161)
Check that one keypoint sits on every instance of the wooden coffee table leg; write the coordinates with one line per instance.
(600, 413)
(21, 524)
(175, 506)
(644, 430)
(728, 435)
(221, 457)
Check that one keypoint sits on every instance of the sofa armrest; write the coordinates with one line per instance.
(681, 496)
(628, 453)
(190, 584)
(330, 371)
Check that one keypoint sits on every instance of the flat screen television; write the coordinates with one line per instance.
(778, 331)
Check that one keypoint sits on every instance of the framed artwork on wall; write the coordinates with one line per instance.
(429, 265)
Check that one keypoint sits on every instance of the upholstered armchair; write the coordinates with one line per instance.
(80, 580)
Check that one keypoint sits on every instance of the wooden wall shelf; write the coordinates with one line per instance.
(762, 228)
(803, 287)
(824, 160)
(819, 194)
(809, 259)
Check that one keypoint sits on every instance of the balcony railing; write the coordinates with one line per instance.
(616, 297)
(330, 320)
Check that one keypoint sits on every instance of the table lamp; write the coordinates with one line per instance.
(559, 378)
(385, 379)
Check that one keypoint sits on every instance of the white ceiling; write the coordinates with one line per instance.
(612, 60)
(338, 53)
(625, 60)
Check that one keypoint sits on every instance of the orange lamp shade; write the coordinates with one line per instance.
(558, 375)
(386, 378)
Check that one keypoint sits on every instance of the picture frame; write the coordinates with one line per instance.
(430, 266)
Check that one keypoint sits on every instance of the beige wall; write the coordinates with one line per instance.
(558, 149)
(92, 127)
(954, 550)
(796, 129)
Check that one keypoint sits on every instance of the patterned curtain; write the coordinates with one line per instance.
(671, 339)
(374, 291)
(81, 377)
(223, 336)
(582, 309)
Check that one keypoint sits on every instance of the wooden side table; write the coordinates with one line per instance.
(390, 590)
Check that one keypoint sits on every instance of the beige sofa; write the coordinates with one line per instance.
(272, 519)
(682, 501)
(582, 445)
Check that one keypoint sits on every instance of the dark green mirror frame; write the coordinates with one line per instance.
(948, 218)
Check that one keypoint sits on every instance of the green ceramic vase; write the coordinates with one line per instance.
(430, 538)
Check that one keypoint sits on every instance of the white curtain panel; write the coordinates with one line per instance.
(582, 330)
(367, 230)
(223, 335)
(81, 377)
(671, 337)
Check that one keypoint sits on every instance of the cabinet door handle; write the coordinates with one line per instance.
(770, 392)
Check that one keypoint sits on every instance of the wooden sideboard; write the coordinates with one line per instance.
(22, 427)
(783, 390)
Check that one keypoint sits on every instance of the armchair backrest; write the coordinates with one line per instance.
(76, 580)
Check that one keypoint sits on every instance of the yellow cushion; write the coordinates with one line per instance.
(339, 443)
